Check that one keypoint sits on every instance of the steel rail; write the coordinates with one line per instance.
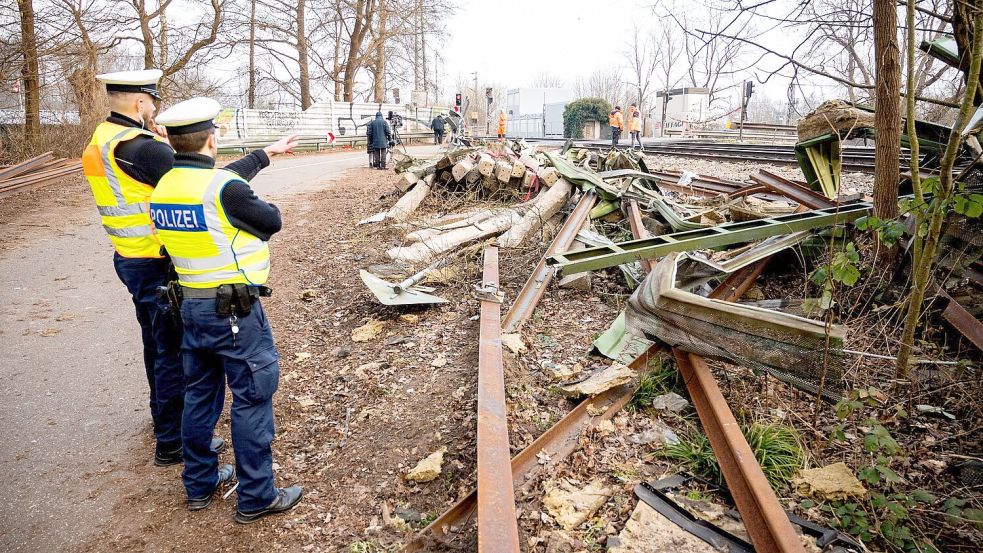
(498, 530)
(793, 191)
(638, 230)
(764, 519)
(601, 257)
(561, 439)
(535, 286)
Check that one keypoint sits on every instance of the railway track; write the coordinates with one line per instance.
(855, 158)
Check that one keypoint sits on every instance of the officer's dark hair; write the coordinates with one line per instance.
(191, 142)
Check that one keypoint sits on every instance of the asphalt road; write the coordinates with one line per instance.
(72, 383)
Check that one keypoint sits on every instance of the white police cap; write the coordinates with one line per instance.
(189, 116)
(141, 80)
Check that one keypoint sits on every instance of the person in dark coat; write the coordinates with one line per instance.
(380, 136)
(438, 129)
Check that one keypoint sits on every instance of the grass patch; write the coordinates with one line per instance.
(775, 446)
(657, 380)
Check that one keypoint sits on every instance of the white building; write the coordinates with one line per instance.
(686, 107)
(536, 112)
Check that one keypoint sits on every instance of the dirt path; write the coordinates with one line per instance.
(76, 442)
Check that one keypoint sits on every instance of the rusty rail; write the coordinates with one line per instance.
(561, 439)
(793, 191)
(534, 288)
(497, 527)
(763, 516)
(962, 320)
(638, 231)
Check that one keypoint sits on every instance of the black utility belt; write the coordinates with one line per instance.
(230, 299)
(209, 293)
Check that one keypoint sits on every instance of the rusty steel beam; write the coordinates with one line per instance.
(561, 438)
(963, 321)
(762, 514)
(497, 526)
(558, 442)
(793, 191)
(534, 288)
(638, 231)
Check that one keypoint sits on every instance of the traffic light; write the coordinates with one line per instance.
(457, 100)
(748, 89)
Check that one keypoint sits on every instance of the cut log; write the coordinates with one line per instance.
(431, 231)
(503, 171)
(435, 247)
(462, 168)
(486, 165)
(549, 176)
(527, 179)
(410, 201)
(518, 170)
(548, 203)
(407, 181)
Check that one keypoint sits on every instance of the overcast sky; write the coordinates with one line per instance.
(511, 41)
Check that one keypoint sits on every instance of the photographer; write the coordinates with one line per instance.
(380, 137)
(437, 125)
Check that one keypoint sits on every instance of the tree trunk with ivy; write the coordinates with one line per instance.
(930, 218)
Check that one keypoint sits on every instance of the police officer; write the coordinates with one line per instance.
(123, 162)
(216, 229)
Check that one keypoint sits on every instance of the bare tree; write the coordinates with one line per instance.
(162, 42)
(604, 83)
(30, 72)
(642, 62)
(545, 79)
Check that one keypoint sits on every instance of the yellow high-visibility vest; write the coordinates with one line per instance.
(207, 251)
(121, 199)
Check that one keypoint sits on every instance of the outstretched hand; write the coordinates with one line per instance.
(282, 146)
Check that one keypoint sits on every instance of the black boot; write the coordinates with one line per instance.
(176, 456)
(285, 500)
(225, 475)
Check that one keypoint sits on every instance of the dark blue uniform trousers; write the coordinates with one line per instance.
(249, 363)
(161, 345)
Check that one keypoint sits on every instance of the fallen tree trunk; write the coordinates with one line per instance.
(431, 249)
(428, 233)
(547, 204)
(410, 201)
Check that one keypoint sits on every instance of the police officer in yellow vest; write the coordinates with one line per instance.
(123, 162)
(222, 260)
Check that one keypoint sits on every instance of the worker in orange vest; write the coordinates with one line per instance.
(635, 125)
(501, 123)
(617, 122)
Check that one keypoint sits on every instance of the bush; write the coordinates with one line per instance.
(579, 112)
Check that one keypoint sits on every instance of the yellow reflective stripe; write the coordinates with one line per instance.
(122, 210)
(216, 276)
(129, 232)
(111, 177)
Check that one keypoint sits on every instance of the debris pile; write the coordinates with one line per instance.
(681, 251)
